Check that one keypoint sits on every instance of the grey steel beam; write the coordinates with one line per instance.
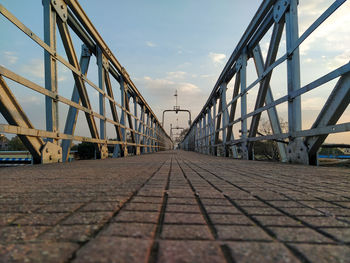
(217, 127)
(293, 67)
(102, 64)
(50, 67)
(73, 112)
(333, 109)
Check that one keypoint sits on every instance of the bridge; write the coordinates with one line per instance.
(142, 201)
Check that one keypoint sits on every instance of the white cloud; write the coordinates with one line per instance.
(314, 103)
(34, 68)
(217, 58)
(150, 44)
(10, 57)
(176, 75)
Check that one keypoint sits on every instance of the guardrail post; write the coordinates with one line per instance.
(296, 149)
(50, 68)
(243, 78)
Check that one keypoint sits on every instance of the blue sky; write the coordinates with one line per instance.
(168, 45)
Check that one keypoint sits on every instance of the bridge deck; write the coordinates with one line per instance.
(174, 207)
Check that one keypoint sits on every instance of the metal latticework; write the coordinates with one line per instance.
(212, 132)
(137, 127)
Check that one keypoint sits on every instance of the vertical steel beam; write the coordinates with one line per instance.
(205, 145)
(217, 127)
(50, 68)
(243, 78)
(142, 128)
(73, 112)
(209, 124)
(122, 118)
(101, 63)
(293, 67)
(232, 116)
(213, 129)
(272, 112)
(224, 113)
(132, 131)
(296, 149)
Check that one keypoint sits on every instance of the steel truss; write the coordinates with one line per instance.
(213, 130)
(140, 132)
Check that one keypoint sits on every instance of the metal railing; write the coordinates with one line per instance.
(139, 128)
(212, 131)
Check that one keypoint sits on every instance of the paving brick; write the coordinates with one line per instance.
(111, 249)
(299, 234)
(213, 209)
(276, 220)
(75, 233)
(342, 234)
(194, 232)
(323, 221)
(135, 230)
(37, 252)
(137, 217)
(229, 219)
(324, 253)
(182, 201)
(189, 251)
(101, 206)
(59, 207)
(88, 218)
(142, 207)
(243, 233)
(10, 234)
(45, 219)
(254, 252)
(182, 208)
(183, 218)
(7, 218)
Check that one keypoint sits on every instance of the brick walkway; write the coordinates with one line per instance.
(174, 207)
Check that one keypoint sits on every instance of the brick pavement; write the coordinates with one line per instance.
(174, 207)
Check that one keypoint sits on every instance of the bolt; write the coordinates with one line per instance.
(47, 150)
(54, 2)
(59, 151)
(62, 6)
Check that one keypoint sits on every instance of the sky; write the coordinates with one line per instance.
(176, 45)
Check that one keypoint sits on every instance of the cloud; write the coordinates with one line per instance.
(150, 44)
(34, 68)
(314, 103)
(176, 75)
(10, 57)
(217, 58)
